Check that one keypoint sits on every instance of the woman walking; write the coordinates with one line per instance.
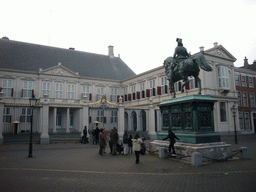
(137, 141)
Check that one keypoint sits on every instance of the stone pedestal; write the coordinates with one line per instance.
(216, 150)
(190, 118)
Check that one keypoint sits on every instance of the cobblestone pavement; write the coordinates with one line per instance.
(78, 167)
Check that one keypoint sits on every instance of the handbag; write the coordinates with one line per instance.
(143, 149)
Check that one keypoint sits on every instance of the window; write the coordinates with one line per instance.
(99, 93)
(71, 120)
(133, 90)
(247, 121)
(46, 88)
(142, 90)
(152, 88)
(243, 81)
(113, 116)
(71, 91)
(164, 85)
(177, 86)
(58, 90)
(223, 80)
(25, 115)
(113, 97)
(241, 121)
(193, 83)
(86, 91)
(223, 115)
(250, 82)
(27, 89)
(237, 78)
(239, 99)
(100, 115)
(7, 87)
(7, 118)
(245, 99)
(252, 99)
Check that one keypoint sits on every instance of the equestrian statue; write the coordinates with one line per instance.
(182, 65)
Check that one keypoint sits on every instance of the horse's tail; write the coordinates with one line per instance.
(200, 59)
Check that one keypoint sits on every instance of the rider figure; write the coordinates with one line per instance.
(180, 53)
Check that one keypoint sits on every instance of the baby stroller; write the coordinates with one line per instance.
(84, 139)
(119, 148)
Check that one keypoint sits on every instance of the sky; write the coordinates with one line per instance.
(143, 32)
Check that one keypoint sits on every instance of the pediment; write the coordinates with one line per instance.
(220, 51)
(58, 70)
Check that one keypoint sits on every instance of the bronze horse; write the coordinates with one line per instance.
(184, 69)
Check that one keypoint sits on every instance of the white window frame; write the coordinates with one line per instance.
(113, 116)
(26, 115)
(46, 88)
(152, 86)
(223, 111)
(237, 79)
(243, 77)
(100, 116)
(133, 91)
(252, 99)
(250, 80)
(245, 99)
(27, 88)
(59, 90)
(247, 120)
(113, 97)
(71, 91)
(7, 87)
(239, 99)
(223, 77)
(241, 120)
(164, 82)
(142, 88)
(86, 91)
(100, 92)
(7, 117)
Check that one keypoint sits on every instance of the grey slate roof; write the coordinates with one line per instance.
(30, 57)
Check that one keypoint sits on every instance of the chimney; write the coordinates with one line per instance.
(111, 51)
(71, 48)
(5, 38)
(201, 49)
(246, 64)
(215, 44)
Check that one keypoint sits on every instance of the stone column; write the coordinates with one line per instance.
(68, 121)
(44, 137)
(1, 122)
(120, 120)
(54, 119)
(151, 122)
(85, 118)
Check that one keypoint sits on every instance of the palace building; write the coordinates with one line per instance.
(77, 89)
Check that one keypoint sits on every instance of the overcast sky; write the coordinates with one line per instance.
(143, 32)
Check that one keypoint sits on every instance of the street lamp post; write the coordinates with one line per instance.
(233, 110)
(32, 101)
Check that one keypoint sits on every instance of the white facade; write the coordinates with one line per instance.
(65, 97)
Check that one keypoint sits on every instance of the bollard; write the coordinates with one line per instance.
(244, 152)
(163, 152)
(196, 159)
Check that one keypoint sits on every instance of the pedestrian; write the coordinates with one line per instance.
(97, 131)
(102, 142)
(110, 141)
(114, 140)
(172, 138)
(84, 138)
(93, 136)
(125, 143)
(137, 141)
(130, 144)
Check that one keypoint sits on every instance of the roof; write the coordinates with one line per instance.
(244, 70)
(31, 57)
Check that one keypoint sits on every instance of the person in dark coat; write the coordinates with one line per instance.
(130, 144)
(97, 131)
(172, 138)
(110, 141)
(114, 140)
(84, 138)
(102, 142)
